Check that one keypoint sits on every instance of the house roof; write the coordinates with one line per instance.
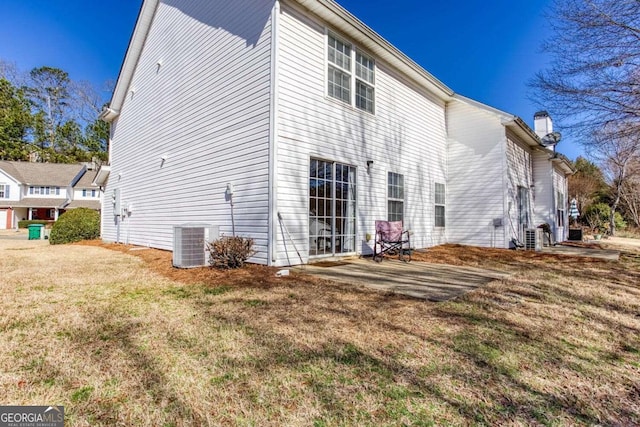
(563, 163)
(91, 204)
(33, 202)
(49, 174)
(330, 11)
(86, 180)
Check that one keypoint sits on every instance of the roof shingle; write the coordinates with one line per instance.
(49, 174)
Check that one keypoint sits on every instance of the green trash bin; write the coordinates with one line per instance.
(36, 231)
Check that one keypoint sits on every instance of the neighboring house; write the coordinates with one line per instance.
(85, 193)
(294, 124)
(503, 177)
(42, 191)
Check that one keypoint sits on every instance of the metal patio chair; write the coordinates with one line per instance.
(391, 239)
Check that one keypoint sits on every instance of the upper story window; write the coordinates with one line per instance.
(440, 199)
(4, 191)
(351, 75)
(88, 193)
(53, 191)
(395, 197)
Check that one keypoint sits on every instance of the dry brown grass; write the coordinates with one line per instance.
(121, 338)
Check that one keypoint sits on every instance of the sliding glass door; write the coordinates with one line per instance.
(332, 208)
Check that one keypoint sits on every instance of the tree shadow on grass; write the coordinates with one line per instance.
(110, 335)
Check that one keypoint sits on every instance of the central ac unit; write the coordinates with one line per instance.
(533, 239)
(190, 244)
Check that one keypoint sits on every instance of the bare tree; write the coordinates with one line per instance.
(630, 192)
(593, 79)
(587, 183)
(618, 148)
(10, 72)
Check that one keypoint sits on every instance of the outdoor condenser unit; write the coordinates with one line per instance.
(533, 239)
(190, 244)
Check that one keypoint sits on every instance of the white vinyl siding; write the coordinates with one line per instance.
(407, 133)
(395, 197)
(206, 109)
(545, 210)
(519, 179)
(475, 186)
(343, 63)
(10, 186)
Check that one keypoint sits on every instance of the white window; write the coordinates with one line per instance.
(4, 191)
(88, 193)
(395, 197)
(44, 190)
(343, 63)
(523, 207)
(561, 204)
(440, 200)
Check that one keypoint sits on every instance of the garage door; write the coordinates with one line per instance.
(3, 219)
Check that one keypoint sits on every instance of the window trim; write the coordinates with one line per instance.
(352, 72)
(437, 205)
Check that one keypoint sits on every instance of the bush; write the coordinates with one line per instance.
(230, 252)
(75, 225)
(26, 223)
(598, 215)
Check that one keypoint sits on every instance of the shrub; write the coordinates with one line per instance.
(230, 252)
(26, 223)
(75, 225)
(598, 215)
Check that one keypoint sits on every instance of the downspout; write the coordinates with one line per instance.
(273, 135)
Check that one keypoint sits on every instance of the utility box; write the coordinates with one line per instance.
(36, 231)
(575, 234)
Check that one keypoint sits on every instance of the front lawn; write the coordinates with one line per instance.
(120, 338)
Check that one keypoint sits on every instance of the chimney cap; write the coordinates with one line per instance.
(541, 115)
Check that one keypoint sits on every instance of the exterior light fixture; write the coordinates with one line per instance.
(369, 165)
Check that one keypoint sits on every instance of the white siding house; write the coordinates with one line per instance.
(194, 116)
(502, 178)
(9, 193)
(404, 134)
(211, 96)
(318, 126)
(41, 191)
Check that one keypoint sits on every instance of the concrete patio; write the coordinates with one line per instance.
(433, 282)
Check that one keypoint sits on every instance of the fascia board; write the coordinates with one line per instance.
(138, 39)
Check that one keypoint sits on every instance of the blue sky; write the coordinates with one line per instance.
(485, 50)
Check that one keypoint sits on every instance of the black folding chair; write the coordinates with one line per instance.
(391, 239)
